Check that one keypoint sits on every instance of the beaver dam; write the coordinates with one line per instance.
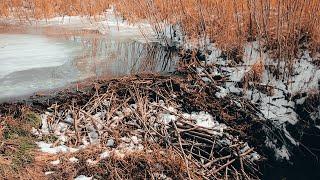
(134, 90)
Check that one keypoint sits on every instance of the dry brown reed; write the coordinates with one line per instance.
(283, 25)
(27, 9)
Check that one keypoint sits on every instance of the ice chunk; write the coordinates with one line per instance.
(105, 154)
(55, 162)
(110, 143)
(49, 172)
(83, 177)
(73, 160)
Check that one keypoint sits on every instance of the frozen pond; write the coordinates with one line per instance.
(40, 59)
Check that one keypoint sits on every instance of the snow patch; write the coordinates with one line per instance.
(55, 162)
(48, 148)
(83, 177)
(104, 155)
(223, 92)
(48, 173)
(74, 160)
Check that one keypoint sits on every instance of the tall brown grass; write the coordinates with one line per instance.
(282, 26)
(39, 9)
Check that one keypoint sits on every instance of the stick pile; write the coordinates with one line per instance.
(141, 115)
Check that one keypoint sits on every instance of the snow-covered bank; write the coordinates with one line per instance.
(274, 92)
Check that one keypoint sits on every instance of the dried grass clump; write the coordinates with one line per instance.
(257, 71)
(17, 147)
(254, 76)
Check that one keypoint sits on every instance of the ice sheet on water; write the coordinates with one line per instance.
(26, 51)
(108, 24)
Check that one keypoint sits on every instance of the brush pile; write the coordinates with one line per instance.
(152, 127)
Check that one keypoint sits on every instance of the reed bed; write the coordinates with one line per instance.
(39, 9)
(281, 25)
